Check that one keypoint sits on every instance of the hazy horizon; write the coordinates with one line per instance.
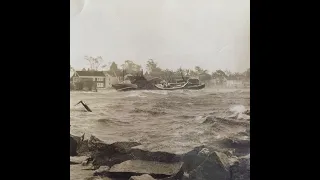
(212, 34)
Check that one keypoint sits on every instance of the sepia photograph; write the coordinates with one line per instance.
(159, 89)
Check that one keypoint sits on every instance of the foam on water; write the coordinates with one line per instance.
(160, 120)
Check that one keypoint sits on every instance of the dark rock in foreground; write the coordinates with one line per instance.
(97, 178)
(73, 146)
(128, 160)
(139, 167)
(103, 170)
(215, 166)
(142, 177)
(241, 169)
(77, 159)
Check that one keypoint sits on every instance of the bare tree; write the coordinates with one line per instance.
(95, 62)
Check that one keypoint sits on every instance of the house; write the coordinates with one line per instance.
(98, 77)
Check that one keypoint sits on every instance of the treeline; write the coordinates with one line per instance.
(129, 67)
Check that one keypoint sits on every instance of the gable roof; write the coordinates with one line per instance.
(91, 73)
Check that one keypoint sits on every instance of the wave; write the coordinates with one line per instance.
(151, 112)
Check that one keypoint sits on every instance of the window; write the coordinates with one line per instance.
(100, 79)
(99, 84)
(94, 79)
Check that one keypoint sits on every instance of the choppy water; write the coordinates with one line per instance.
(172, 121)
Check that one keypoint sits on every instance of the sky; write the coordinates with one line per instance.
(212, 34)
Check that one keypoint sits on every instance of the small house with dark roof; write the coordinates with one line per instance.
(98, 77)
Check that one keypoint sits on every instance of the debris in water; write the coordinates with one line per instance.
(84, 105)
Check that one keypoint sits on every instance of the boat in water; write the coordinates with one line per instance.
(140, 82)
(192, 84)
(137, 82)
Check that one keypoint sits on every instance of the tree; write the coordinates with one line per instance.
(131, 67)
(84, 69)
(114, 67)
(247, 73)
(200, 71)
(168, 75)
(219, 75)
(152, 66)
(95, 62)
(227, 72)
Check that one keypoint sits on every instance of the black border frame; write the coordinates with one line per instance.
(40, 44)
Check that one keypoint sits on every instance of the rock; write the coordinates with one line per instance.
(241, 169)
(77, 159)
(158, 156)
(204, 152)
(109, 154)
(142, 177)
(85, 163)
(138, 167)
(215, 166)
(236, 142)
(77, 173)
(194, 158)
(73, 146)
(97, 178)
(101, 171)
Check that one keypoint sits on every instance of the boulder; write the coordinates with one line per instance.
(142, 177)
(110, 154)
(77, 159)
(194, 158)
(97, 178)
(73, 146)
(139, 167)
(215, 166)
(77, 173)
(101, 171)
(241, 169)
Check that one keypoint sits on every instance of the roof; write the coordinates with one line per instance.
(91, 73)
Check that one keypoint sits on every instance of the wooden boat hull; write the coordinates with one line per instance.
(185, 86)
(196, 87)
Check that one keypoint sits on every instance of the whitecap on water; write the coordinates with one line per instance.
(238, 109)
(156, 92)
(136, 94)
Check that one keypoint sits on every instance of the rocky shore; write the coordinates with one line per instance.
(96, 159)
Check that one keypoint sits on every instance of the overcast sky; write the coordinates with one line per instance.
(212, 34)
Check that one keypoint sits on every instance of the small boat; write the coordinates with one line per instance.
(192, 84)
(161, 87)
